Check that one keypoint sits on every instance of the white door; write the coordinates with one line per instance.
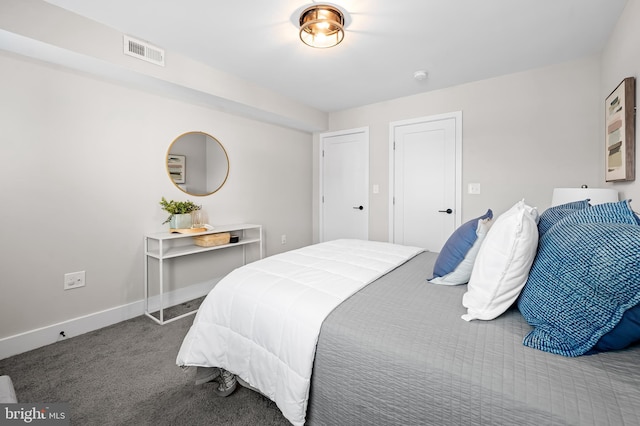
(425, 172)
(344, 180)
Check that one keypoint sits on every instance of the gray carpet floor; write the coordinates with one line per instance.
(126, 374)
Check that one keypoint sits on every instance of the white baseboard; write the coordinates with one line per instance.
(33, 339)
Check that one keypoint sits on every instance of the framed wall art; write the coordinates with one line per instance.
(176, 167)
(620, 122)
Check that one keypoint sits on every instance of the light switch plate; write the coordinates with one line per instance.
(474, 188)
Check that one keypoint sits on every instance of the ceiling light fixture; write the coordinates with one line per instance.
(321, 26)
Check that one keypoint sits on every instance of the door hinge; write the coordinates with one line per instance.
(394, 145)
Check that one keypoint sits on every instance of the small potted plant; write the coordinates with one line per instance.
(179, 213)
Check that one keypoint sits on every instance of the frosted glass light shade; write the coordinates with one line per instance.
(595, 195)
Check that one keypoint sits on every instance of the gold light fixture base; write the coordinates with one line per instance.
(321, 26)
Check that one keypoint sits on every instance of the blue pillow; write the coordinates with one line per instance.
(625, 334)
(462, 273)
(553, 214)
(618, 212)
(457, 246)
(584, 281)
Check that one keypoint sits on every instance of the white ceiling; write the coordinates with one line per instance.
(386, 41)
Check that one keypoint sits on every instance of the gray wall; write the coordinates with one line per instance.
(621, 59)
(84, 171)
(523, 135)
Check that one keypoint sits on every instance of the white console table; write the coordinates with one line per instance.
(166, 245)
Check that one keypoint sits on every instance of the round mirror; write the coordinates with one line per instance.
(197, 163)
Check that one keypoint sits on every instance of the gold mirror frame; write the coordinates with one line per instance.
(197, 164)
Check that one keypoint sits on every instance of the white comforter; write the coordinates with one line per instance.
(262, 321)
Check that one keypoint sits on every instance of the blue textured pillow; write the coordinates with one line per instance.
(618, 212)
(553, 214)
(585, 278)
(457, 246)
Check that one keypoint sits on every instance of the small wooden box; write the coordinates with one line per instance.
(212, 240)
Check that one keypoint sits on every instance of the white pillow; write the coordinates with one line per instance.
(502, 266)
(462, 273)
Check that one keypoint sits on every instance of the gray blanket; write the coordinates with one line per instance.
(397, 353)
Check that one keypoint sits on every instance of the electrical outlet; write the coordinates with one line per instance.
(283, 239)
(74, 280)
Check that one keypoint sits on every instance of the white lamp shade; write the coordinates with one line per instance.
(595, 195)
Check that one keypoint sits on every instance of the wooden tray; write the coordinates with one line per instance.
(187, 230)
(212, 240)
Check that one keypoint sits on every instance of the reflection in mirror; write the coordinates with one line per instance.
(197, 163)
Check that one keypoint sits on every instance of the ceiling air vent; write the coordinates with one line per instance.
(143, 50)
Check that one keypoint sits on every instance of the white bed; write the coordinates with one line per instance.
(262, 321)
(386, 346)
